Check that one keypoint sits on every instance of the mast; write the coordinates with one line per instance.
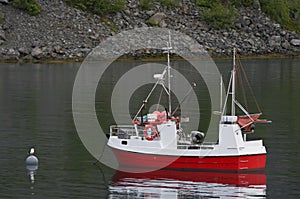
(233, 86)
(221, 94)
(159, 78)
(169, 72)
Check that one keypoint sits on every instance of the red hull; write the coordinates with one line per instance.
(232, 163)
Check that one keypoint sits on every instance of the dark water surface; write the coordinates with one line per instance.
(36, 110)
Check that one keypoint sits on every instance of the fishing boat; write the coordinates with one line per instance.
(154, 140)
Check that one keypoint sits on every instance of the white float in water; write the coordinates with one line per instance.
(32, 160)
(31, 165)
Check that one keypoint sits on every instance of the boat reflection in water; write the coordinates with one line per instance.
(182, 184)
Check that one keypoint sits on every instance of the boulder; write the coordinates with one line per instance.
(2, 35)
(13, 53)
(245, 21)
(36, 52)
(275, 41)
(295, 42)
(256, 4)
(24, 51)
(150, 12)
(285, 44)
(4, 1)
(156, 19)
(163, 24)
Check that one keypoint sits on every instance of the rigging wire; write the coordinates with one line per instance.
(242, 88)
(249, 85)
(159, 99)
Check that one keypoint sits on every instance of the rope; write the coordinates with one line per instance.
(249, 85)
(243, 91)
(158, 103)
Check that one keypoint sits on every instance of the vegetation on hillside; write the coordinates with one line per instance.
(149, 4)
(221, 13)
(100, 7)
(31, 6)
(285, 12)
(218, 14)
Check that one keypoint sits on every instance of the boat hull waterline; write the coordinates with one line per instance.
(155, 161)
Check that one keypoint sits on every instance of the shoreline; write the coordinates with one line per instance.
(149, 58)
(61, 33)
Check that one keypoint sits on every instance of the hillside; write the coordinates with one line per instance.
(60, 30)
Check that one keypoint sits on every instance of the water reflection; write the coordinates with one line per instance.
(182, 184)
(31, 172)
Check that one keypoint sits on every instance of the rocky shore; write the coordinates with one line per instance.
(63, 32)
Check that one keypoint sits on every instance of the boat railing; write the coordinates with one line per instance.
(204, 146)
(125, 131)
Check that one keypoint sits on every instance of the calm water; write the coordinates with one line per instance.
(35, 110)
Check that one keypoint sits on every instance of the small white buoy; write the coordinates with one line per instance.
(31, 160)
(31, 165)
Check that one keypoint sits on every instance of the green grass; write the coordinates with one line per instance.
(218, 14)
(31, 6)
(146, 4)
(149, 4)
(99, 7)
(168, 3)
(221, 13)
(285, 12)
(113, 27)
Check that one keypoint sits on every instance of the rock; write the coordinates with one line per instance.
(275, 41)
(256, 4)
(2, 35)
(245, 21)
(250, 41)
(283, 33)
(13, 53)
(36, 52)
(35, 44)
(163, 24)
(27, 57)
(259, 26)
(150, 12)
(295, 42)
(276, 25)
(156, 19)
(225, 34)
(127, 11)
(69, 32)
(24, 51)
(58, 50)
(4, 1)
(285, 44)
